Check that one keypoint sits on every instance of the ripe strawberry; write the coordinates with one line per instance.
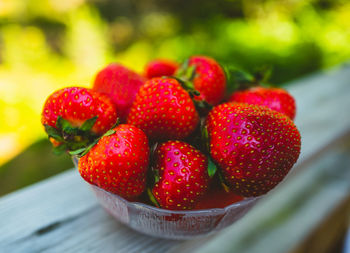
(254, 146)
(217, 197)
(275, 98)
(163, 110)
(119, 83)
(209, 78)
(160, 67)
(118, 162)
(182, 173)
(74, 116)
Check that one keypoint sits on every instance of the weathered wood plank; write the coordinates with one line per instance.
(329, 233)
(61, 214)
(43, 204)
(323, 108)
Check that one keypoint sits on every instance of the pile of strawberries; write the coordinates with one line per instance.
(173, 136)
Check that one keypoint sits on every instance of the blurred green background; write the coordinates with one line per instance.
(49, 44)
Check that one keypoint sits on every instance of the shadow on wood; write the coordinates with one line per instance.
(35, 163)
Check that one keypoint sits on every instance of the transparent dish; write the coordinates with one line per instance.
(170, 224)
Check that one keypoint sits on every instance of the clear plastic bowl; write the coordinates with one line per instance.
(170, 224)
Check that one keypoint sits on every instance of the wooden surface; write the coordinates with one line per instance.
(62, 215)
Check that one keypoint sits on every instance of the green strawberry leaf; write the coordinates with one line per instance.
(180, 72)
(59, 149)
(186, 72)
(193, 93)
(109, 132)
(190, 73)
(237, 79)
(80, 149)
(211, 168)
(187, 85)
(87, 149)
(152, 198)
(66, 127)
(116, 123)
(53, 132)
(59, 122)
(202, 104)
(77, 152)
(88, 124)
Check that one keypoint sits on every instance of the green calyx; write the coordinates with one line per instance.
(185, 75)
(202, 106)
(188, 86)
(238, 79)
(70, 138)
(186, 72)
(83, 151)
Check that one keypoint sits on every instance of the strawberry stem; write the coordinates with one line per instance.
(202, 107)
(222, 182)
(88, 124)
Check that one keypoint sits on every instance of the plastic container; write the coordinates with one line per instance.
(170, 224)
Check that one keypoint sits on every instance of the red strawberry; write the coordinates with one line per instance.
(217, 197)
(118, 162)
(163, 110)
(119, 83)
(209, 79)
(254, 146)
(160, 67)
(75, 116)
(275, 98)
(183, 175)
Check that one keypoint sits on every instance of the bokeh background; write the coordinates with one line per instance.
(48, 44)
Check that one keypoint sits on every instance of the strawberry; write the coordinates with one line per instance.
(118, 162)
(274, 98)
(255, 147)
(119, 83)
(217, 197)
(181, 175)
(163, 110)
(208, 78)
(73, 117)
(160, 67)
